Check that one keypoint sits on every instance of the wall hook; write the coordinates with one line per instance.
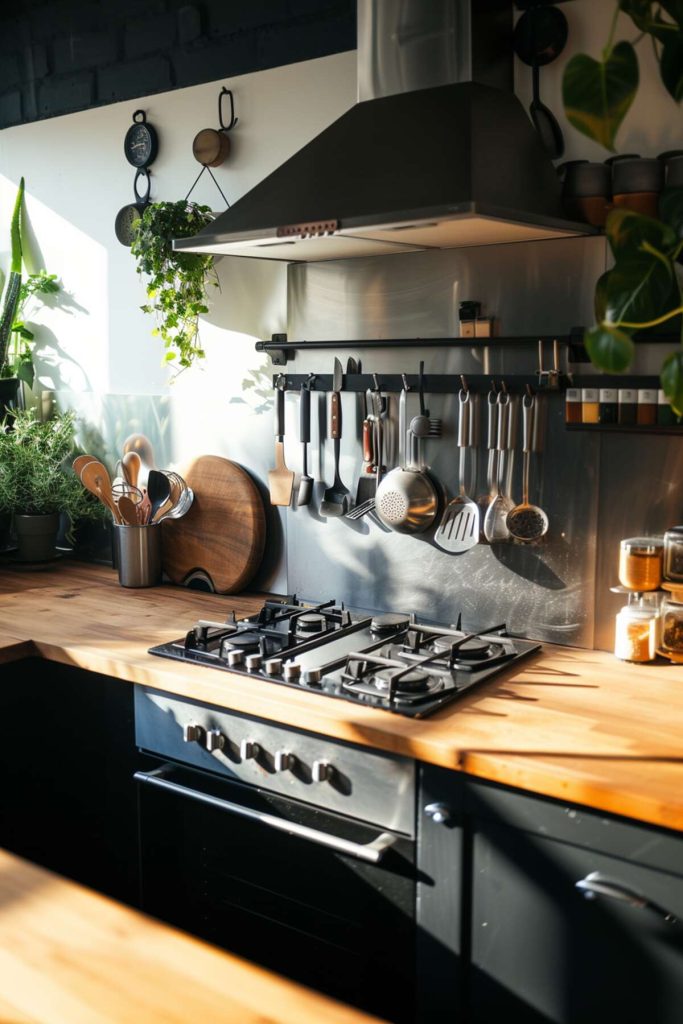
(233, 120)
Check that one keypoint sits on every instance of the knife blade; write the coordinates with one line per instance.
(337, 376)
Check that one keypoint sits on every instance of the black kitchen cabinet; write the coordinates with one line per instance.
(68, 799)
(540, 950)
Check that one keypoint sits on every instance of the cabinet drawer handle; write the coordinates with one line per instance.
(373, 851)
(596, 884)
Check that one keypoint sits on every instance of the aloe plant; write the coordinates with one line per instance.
(644, 287)
(13, 284)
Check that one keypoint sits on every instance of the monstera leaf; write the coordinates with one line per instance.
(609, 348)
(597, 94)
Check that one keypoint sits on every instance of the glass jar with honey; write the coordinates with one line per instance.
(640, 563)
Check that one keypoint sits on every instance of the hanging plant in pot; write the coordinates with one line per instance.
(178, 282)
(644, 288)
(36, 484)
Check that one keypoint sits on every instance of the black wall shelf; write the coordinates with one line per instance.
(628, 428)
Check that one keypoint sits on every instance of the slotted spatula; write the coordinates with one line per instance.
(280, 479)
(458, 530)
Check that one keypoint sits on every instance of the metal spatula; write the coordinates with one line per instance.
(336, 498)
(280, 479)
(458, 529)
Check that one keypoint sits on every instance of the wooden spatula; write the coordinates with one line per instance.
(280, 479)
(95, 477)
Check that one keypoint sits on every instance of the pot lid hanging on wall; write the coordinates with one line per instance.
(439, 152)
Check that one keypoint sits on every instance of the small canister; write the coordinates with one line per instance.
(585, 190)
(636, 183)
(673, 555)
(672, 623)
(572, 408)
(590, 405)
(666, 417)
(627, 399)
(646, 413)
(637, 631)
(608, 405)
(640, 563)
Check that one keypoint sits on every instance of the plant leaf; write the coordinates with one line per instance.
(597, 94)
(671, 66)
(639, 289)
(671, 209)
(600, 301)
(672, 380)
(674, 8)
(628, 231)
(609, 348)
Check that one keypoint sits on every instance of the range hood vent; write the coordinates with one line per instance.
(451, 165)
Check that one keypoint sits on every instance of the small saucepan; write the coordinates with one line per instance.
(211, 146)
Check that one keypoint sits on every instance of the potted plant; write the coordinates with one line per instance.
(16, 338)
(178, 281)
(644, 288)
(36, 485)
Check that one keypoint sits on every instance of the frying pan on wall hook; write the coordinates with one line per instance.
(211, 146)
(540, 37)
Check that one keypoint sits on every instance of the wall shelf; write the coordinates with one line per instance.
(628, 428)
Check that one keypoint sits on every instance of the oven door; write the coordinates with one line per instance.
(318, 897)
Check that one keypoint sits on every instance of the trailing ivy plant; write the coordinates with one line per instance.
(644, 287)
(178, 281)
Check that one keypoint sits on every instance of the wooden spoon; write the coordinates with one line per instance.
(131, 464)
(80, 462)
(128, 510)
(95, 477)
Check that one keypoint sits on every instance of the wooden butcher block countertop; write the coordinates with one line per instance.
(69, 956)
(567, 723)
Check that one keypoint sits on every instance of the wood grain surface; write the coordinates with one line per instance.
(223, 535)
(567, 723)
(70, 956)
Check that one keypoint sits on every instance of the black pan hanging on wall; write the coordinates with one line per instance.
(539, 39)
(140, 146)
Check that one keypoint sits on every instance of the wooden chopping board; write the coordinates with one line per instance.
(222, 537)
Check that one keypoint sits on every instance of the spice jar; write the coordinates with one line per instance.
(640, 563)
(672, 622)
(636, 633)
(666, 417)
(590, 405)
(673, 555)
(572, 407)
(626, 400)
(646, 414)
(608, 405)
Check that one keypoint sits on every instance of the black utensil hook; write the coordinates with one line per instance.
(233, 120)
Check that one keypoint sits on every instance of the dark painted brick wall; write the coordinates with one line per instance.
(59, 56)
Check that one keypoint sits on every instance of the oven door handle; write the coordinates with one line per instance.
(372, 852)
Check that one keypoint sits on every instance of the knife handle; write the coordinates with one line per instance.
(280, 413)
(305, 414)
(367, 441)
(335, 416)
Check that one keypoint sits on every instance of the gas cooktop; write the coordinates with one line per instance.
(389, 660)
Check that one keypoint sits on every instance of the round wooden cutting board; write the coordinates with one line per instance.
(223, 535)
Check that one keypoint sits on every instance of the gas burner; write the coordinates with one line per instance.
(414, 681)
(475, 649)
(246, 641)
(391, 622)
(309, 624)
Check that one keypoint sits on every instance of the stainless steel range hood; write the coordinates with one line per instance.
(438, 153)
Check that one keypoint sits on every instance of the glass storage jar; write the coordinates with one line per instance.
(640, 563)
(673, 555)
(672, 623)
(637, 631)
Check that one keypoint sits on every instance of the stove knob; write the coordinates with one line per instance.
(235, 657)
(192, 733)
(322, 771)
(283, 761)
(312, 675)
(292, 671)
(215, 740)
(253, 662)
(248, 750)
(273, 666)
(439, 813)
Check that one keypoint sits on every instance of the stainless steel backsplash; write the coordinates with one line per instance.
(596, 488)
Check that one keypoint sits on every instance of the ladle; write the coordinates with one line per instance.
(527, 523)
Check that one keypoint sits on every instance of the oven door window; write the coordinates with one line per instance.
(324, 917)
